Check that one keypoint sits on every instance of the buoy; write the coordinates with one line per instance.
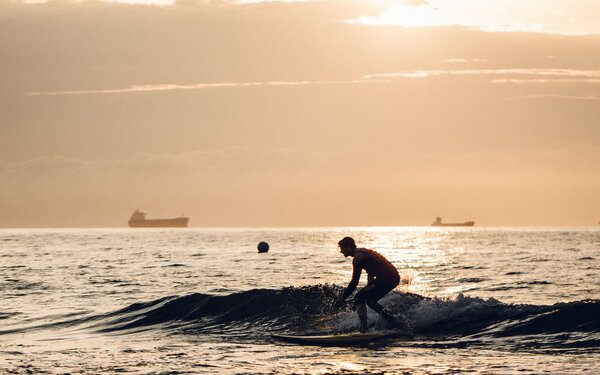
(263, 247)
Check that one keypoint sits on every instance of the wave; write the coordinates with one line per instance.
(264, 310)
(257, 313)
(260, 312)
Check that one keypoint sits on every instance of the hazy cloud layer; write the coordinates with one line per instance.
(270, 182)
(546, 16)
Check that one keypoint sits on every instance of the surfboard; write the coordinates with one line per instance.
(335, 340)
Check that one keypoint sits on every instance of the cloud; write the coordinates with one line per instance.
(550, 73)
(127, 2)
(459, 61)
(152, 87)
(195, 86)
(556, 96)
(546, 80)
(542, 16)
(576, 17)
(563, 75)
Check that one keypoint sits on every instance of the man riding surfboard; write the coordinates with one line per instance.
(382, 277)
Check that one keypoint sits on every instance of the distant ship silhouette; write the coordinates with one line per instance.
(438, 223)
(138, 220)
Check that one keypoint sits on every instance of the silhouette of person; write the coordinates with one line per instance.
(382, 277)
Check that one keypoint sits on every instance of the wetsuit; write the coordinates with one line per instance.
(382, 276)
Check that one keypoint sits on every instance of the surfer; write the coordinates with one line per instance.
(382, 277)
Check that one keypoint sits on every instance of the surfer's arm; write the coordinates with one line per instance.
(357, 269)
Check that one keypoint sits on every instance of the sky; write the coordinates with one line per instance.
(300, 113)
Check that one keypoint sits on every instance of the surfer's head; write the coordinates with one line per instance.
(347, 246)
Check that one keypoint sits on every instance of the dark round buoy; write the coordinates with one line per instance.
(263, 247)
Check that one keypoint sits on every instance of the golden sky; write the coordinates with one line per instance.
(300, 113)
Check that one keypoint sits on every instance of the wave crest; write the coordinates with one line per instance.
(255, 314)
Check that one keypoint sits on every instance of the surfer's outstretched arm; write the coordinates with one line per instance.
(353, 284)
(357, 269)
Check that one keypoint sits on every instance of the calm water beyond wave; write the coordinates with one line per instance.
(204, 301)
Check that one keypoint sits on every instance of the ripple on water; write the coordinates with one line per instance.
(472, 280)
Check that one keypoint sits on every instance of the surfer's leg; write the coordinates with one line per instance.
(360, 306)
(383, 286)
(398, 322)
(383, 312)
(361, 311)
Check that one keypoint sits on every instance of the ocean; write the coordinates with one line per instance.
(204, 301)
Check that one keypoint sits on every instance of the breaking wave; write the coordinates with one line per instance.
(456, 321)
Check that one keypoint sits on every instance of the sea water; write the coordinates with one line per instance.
(204, 301)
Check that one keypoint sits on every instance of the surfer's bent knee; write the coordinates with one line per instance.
(360, 298)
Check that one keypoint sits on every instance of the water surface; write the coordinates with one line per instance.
(487, 300)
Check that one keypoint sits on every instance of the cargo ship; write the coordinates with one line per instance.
(138, 220)
(438, 223)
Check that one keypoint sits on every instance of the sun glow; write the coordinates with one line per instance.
(546, 16)
(407, 16)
